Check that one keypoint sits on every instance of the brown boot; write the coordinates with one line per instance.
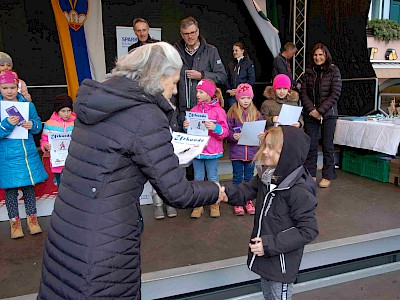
(16, 229)
(214, 211)
(197, 212)
(33, 224)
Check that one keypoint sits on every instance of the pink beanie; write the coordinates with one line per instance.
(8, 77)
(282, 81)
(244, 90)
(207, 86)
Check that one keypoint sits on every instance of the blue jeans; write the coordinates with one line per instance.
(200, 166)
(241, 168)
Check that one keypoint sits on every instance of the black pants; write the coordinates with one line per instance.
(312, 127)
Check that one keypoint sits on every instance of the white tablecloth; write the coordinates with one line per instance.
(377, 136)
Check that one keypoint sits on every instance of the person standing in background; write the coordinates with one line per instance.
(282, 64)
(240, 70)
(141, 29)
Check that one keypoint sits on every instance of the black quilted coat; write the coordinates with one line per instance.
(121, 139)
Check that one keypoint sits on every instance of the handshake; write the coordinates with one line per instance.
(222, 197)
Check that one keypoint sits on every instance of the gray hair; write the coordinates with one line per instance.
(148, 64)
(189, 21)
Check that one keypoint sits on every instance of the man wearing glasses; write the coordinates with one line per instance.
(200, 60)
(141, 29)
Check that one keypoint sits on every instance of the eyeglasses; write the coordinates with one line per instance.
(189, 33)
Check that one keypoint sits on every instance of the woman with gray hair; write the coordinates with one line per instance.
(121, 139)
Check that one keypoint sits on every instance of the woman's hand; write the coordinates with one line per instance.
(186, 124)
(236, 135)
(256, 246)
(210, 125)
(13, 120)
(314, 113)
(232, 92)
(28, 125)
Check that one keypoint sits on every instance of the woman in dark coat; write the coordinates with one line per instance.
(121, 139)
(320, 91)
(240, 70)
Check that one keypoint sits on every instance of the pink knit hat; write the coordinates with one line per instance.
(8, 77)
(282, 81)
(244, 90)
(207, 86)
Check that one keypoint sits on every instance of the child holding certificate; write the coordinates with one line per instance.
(277, 95)
(19, 159)
(61, 121)
(242, 156)
(209, 101)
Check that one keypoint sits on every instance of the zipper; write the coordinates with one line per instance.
(265, 214)
(27, 163)
(283, 263)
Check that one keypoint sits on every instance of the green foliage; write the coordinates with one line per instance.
(384, 29)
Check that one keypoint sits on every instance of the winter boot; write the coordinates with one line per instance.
(251, 210)
(158, 207)
(171, 211)
(197, 212)
(16, 229)
(324, 183)
(214, 211)
(238, 210)
(33, 224)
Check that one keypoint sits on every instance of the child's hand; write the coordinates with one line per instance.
(257, 248)
(261, 135)
(47, 146)
(236, 136)
(275, 119)
(13, 120)
(297, 124)
(210, 125)
(185, 124)
(28, 125)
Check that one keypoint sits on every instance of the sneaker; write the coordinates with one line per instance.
(197, 212)
(250, 208)
(238, 210)
(324, 183)
(214, 211)
(16, 229)
(171, 211)
(33, 224)
(159, 212)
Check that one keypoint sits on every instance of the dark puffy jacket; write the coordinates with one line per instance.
(285, 216)
(121, 139)
(240, 152)
(242, 72)
(206, 60)
(330, 90)
(281, 66)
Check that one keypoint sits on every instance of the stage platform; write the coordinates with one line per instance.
(352, 206)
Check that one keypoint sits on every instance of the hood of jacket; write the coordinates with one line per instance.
(296, 144)
(56, 117)
(96, 101)
(206, 106)
(292, 96)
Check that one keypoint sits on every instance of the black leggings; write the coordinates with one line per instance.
(12, 201)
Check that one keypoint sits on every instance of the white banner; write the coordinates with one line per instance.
(126, 37)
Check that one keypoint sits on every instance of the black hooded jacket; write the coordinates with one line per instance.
(120, 140)
(285, 211)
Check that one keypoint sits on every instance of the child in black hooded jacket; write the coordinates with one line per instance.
(285, 219)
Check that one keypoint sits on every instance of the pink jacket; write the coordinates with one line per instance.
(56, 125)
(214, 148)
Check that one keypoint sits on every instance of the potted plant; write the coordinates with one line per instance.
(384, 29)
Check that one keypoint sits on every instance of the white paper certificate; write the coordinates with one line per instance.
(289, 114)
(59, 148)
(187, 147)
(196, 123)
(19, 132)
(250, 131)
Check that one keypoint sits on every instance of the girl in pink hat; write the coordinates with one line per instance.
(210, 101)
(277, 95)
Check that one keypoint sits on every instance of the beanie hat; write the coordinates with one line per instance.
(8, 77)
(207, 86)
(244, 90)
(61, 101)
(5, 58)
(282, 81)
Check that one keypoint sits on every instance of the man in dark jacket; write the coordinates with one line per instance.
(281, 64)
(200, 60)
(141, 29)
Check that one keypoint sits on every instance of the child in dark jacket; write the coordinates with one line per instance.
(285, 219)
(20, 163)
(242, 156)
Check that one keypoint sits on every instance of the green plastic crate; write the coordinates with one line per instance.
(376, 167)
(352, 162)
